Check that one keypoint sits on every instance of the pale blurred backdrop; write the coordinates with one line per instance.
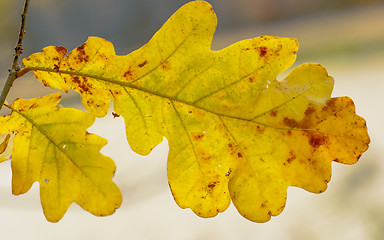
(345, 36)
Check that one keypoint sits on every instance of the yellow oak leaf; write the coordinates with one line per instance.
(234, 131)
(53, 147)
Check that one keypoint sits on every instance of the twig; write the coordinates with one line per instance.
(18, 51)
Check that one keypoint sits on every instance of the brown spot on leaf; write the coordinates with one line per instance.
(75, 79)
(85, 80)
(85, 59)
(330, 104)
(61, 50)
(316, 140)
(198, 136)
(82, 56)
(212, 185)
(56, 67)
(263, 51)
(166, 65)
(234, 151)
(128, 74)
(260, 129)
(143, 64)
(204, 157)
(229, 172)
(292, 157)
(273, 113)
(44, 82)
(264, 204)
(82, 85)
(81, 48)
(115, 115)
(310, 110)
(251, 79)
(34, 105)
(84, 89)
(289, 122)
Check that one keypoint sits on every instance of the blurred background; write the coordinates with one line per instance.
(345, 36)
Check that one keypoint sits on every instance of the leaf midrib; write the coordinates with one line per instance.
(129, 85)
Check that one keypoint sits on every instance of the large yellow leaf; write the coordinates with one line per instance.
(53, 147)
(234, 131)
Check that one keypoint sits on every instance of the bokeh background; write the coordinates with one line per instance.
(346, 36)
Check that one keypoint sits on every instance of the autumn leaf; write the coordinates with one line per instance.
(53, 147)
(234, 131)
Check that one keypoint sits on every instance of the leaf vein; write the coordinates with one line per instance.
(137, 106)
(237, 143)
(283, 103)
(190, 141)
(161, 62)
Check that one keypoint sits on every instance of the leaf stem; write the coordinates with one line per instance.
(12, 76)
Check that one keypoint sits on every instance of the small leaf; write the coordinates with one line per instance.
(53, 147)
(234, 131)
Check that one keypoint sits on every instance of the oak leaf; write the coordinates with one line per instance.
(53, 147)
(234, 131)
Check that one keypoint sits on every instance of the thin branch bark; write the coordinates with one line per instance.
(12, 76)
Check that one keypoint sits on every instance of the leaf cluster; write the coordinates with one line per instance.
(235, 133)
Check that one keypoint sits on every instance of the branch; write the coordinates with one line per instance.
(18, 51)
